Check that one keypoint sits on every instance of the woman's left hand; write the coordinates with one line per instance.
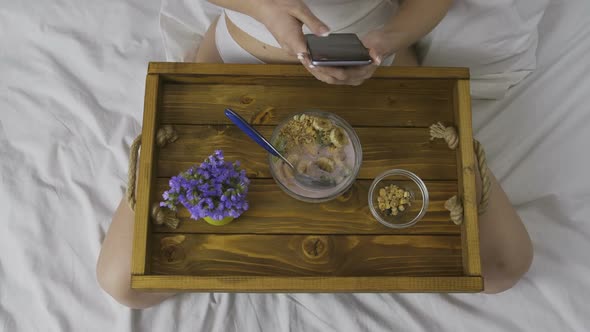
(379, 47)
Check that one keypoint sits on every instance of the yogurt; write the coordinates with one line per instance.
(318, 147)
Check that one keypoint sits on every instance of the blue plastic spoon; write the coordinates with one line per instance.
(258, 138)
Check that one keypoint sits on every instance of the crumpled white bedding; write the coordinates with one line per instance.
(71, 91)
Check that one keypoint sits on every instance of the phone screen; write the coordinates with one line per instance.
(337, 48)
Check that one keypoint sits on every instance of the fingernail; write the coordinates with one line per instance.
(378, 60)
(311, 66)
(324, 32)
(300, 56)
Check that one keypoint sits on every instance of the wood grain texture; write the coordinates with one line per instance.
(467, 170)
(145, 180)
(383, 149)
(283, 245)
(402, 103)
(274, 212)
(306, 255)
(257, 284)
(184, 68)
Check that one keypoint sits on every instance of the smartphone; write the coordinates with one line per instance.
(337, 49)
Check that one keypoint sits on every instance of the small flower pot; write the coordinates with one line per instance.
(221, 222)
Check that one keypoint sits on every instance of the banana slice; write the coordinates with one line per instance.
(337, 137)
(321, 124)
(325, 164)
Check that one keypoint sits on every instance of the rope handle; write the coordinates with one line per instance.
(165, 135)
(454, 204)
(132, 172)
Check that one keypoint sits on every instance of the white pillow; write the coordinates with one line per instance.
(496, 39)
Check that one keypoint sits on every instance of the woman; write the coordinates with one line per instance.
(270, 31)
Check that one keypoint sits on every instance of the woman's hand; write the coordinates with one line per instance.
(380, 44)
(285, 19)
(412, 21)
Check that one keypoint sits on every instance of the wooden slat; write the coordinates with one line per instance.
(145, 180)
(255, 284)
(274, 212)
(402, 103)
(383, 149)
(297, 70)
(466, 167)
(412, 86)
(306, 255)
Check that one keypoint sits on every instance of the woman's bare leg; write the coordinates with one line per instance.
(505, 246)
(406, 57)
(207, 52)
(113, 269)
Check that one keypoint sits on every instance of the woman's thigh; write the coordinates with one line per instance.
(406, 57)
(207, 52)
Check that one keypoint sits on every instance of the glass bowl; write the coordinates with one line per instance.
(353, 157)
(407, 181)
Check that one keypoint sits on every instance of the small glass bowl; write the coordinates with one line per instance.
(327, 194)
(405, 180)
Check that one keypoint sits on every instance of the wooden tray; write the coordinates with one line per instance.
(283, 245)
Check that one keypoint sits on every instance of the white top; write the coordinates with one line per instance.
(344, 16)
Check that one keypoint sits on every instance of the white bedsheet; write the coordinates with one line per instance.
(71, 89)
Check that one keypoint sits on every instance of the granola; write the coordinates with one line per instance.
(306, 129)
(393, 200)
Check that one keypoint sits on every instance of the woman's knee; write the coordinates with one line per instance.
(503, 272)
(116, 282)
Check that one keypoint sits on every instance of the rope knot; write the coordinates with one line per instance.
(454, 205)
(165, 216)
(131, 173)
(449, 134)
(165, 135)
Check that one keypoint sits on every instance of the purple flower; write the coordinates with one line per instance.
(216, 188)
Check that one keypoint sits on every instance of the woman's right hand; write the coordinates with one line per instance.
(285, 19)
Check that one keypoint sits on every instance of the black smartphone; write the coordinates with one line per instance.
(337, 49)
